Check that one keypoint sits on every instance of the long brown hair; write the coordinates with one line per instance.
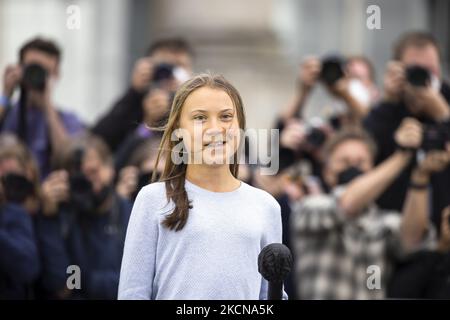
(174, 174)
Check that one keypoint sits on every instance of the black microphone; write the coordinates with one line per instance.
(274, 264)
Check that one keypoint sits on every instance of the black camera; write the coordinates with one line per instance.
(332, 70)
(316, 137)
(435, 137)
(418, 76)
(34, 77)
(82, 197)
(163, 71)
(17, 188)
(315, 133)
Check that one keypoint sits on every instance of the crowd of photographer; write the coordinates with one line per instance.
(67, 190)
(365, 194)
(365, 187)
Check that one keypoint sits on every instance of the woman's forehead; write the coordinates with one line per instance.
(208, 99)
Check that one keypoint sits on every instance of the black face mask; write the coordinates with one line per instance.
(17, 188)
(348, 175)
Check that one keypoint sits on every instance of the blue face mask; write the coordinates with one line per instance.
(348, 175)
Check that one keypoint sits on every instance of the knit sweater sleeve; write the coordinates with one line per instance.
(139, 257)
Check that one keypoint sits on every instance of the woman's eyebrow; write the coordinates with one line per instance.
(206, 111)
(199, 110)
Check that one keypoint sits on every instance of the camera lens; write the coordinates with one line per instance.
(34, 77)
(418, 76)
(163, 71)
(332, 70)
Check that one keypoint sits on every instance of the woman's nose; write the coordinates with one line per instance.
(214, 128)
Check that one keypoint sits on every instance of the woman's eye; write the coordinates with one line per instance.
(227, 116)
(199, 118)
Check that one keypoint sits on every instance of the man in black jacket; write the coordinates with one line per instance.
(126, 114)
(428, 102)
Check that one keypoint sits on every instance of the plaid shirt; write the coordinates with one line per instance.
(333, 253)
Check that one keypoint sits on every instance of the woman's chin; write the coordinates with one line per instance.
(218, 159)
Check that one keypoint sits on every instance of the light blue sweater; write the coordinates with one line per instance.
(215, 256)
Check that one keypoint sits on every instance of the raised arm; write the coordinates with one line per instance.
(415, 220)
(365, 189)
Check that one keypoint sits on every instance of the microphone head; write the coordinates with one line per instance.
(275, 262)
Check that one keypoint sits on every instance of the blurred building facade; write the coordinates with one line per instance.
(257, 44)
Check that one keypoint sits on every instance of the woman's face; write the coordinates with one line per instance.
(209, 127)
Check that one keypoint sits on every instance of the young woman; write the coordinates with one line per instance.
(197, 233)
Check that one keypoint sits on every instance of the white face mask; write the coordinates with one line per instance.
(435, 83)
(359, 92)
(181, 74)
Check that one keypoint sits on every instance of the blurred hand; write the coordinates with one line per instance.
(394, 80)
(142, 74)
(127, 182)
(409, 134)
(293, 135)
(435, 161)
(309, 72)
(427, 101)
(11, 79)
(444, 240)
(341, 88)
(55, 189)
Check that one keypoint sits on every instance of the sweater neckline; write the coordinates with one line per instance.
(193, 187)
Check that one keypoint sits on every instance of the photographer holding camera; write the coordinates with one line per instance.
(83, 222)
(156, 106)
(19, 259)
(350, 81)
(337, 237)
(413, 88)
(167, 64)
(35, 119)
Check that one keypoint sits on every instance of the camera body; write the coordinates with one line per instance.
(16, 187)
(34, 77)
(316, 135)
(332, 70)
(82, 196)
(163, 71)
(418, 76)
(435, 137)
